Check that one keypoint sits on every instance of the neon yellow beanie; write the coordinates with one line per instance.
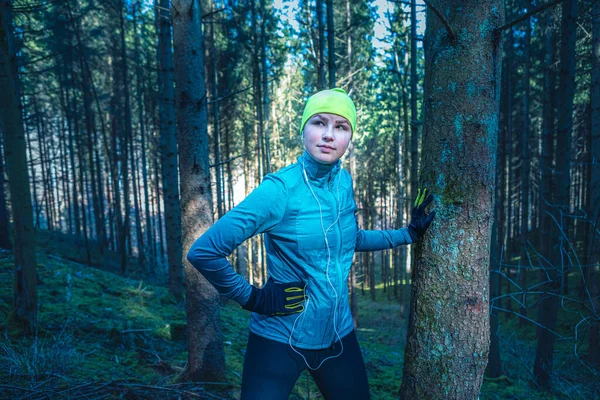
(331, 101)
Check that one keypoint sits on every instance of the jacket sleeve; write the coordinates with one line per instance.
(380, 239)
(371, 240)
(260, 211)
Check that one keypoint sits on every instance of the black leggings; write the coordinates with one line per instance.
(272, 368)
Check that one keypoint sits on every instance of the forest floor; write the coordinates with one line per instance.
(104, 336)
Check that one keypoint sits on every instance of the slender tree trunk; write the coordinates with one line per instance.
(215, 108)
(331, 44)
(548, 305)
(11, 123)
(494, 366)
(265, 90)
(126, 138)
(140, 78)
(5, 242)
(509, 166)
(136, 203)
(168, 152)
(41, 133)
(64, 104)
(448, 338)
(525, 162)
(400, 263)
(82, 192)
(352, 158)
(36, 204)
(321, 30)
(206, 358)
(161, 235)
(594, 192)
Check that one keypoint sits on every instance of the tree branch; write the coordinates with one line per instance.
(526, 16)
(444, 21)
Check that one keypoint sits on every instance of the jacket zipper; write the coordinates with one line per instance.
(337, 263)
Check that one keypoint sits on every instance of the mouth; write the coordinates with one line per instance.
(324, 146)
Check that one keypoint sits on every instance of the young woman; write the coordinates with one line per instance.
(301, 317)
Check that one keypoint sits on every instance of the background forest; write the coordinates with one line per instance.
(129, 126)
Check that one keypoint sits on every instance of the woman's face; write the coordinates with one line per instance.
(326, 137)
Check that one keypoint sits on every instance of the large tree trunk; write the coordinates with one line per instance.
(11, 123)
(168, 145)
(594, 193)
(206, 357)
(448, 337)
(548, 305)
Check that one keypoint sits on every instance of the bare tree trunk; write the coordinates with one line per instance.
(82, 192)
(548, 305)
(5, 242)
(168, 145)
(352, 158)
(36, 206)
(321, 30)
(525, 162)
(400, 264)
(126, 138)
(494, 366)
(140, 78)
(509, 166)
(448, 337)
(65, 105)
(11, 123)
(594, 192)
(206, 358)
(216, 127)
(265, 90)
(331, 44)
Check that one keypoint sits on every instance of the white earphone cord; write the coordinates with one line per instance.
(325, 231)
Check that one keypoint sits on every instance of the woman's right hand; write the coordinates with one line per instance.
(277, 298)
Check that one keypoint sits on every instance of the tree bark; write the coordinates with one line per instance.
(168, 152)
(25, 275)
(206, 357)
(449, 332)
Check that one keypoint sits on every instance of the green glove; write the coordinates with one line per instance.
(277, 298)
(419, 222)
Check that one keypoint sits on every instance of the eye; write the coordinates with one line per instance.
(318, 122)
(343, 127)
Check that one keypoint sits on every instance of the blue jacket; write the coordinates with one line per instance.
(285, 208)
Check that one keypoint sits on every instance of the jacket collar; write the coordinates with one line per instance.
(317, 172)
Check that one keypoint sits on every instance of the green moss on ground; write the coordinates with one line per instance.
(99, 327)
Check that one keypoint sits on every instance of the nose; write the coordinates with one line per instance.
(328, 135)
